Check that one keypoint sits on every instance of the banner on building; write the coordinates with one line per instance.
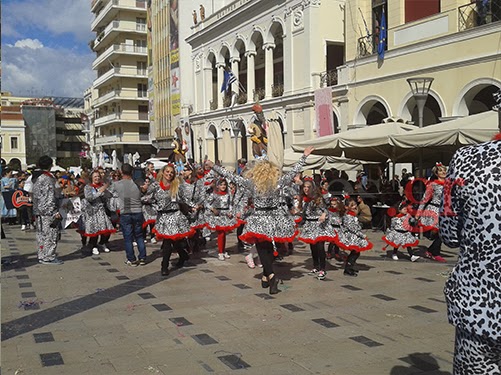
(323, 112)
(174, 60)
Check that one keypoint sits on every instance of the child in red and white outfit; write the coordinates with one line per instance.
(399, 234)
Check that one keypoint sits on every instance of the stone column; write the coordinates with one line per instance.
(234, 68)
(251, 79)
(268, 69)
(220, 78)
(207, 87)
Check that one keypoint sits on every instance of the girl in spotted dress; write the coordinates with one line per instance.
(351, 237)
(336, 211)
(314, 229)
(222, 218)
(399, 234)
(268, 222)
(172, 226)
(96, 221)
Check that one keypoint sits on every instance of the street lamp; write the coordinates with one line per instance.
(235, 126)
(420, 87)
(200, 141)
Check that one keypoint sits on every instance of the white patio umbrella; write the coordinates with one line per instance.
(94, 159)
(114, 160)
(101, 159)
(57, 168)
(157, 164)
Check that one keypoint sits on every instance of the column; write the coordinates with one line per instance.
(251, 79)
(234, 68)
(207, 87)
(220, 78)
(268, 69)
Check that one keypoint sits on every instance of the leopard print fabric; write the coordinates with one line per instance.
(476, 355)
(471, 220)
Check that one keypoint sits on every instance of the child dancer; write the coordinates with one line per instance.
(222, 220)
(314, 228)
(335, 217)
(399, 235)
(351, 237)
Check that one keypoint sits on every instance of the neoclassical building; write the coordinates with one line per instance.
(455, 42)
(280, 51)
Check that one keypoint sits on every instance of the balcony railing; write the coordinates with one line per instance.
(242, 98)
(328, 78)
(478, 13)
(367, 45)
(259, 94)
(109, 139)
(213, 105)
(277, 90)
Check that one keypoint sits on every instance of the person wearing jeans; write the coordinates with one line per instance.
(131, 215)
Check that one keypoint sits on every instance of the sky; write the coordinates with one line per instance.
(45, 49)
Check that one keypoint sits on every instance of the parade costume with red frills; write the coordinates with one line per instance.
(223, 219)
(311, 230)
(398, 235)
(428, 211)
(96, 222)
(350, 235)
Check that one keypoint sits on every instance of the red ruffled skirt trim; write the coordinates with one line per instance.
(226, 228)
(199, 226)
(148, 222)
(105, 232)
(318, 239)
(297, 220)
(392, 244)
(427, 228)
(173, 237)
(356, 248)
(252, 238)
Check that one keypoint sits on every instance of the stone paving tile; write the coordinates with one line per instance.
(51, 359)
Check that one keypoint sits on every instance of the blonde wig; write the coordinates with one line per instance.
(174, 184)
(265, 176)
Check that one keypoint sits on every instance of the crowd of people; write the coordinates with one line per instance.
(184, 207)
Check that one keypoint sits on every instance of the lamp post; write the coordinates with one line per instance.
(235, 126)
(200, 141)
(420, 87)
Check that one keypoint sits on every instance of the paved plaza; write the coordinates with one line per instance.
(95, 315)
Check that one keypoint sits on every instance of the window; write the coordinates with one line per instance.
(144, 133)
(13, 143)
(417, 9)
(377, 13)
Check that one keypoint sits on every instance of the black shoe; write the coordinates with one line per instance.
(350, 272)
(142, 262)
(264, 284)
(274, 285)
(165, 272)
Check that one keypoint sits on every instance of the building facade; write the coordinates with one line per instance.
(12, 132)
(281, 52)
(120, 106)
(455, 42)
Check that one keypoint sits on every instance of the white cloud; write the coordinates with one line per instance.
(46, 71)
(29, 43)
(54, 16)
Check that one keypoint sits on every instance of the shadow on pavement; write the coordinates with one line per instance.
(420, 363)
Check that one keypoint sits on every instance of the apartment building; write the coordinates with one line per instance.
(12, 132)
(453, 42)
(120, 105)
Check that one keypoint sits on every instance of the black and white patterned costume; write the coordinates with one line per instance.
(268, 221)
(471, 220)
(148, 205)
(96, 222)
(350, 235)
(430, 205)
(45, 207)
(200, 197)
(171, 223)
(311, 230)
(398, 235)
(224, 218)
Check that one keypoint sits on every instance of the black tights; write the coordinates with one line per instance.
(265, 252)
(93, 240)
(408, 248)
(168, 246)
(351, 260)
(145, 231)
(318, 255)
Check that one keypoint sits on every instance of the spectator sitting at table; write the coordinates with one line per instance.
(364, 213)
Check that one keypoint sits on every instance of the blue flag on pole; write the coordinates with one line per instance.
(383, 34)
(228, 79)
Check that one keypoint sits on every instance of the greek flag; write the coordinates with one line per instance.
(228, 79)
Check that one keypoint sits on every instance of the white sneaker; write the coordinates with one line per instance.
(105, 249)
(23, 227)
(154, 240)
(134, 243)
(220, 256)
(95, 251)
(145, 240)
(415, 257)
(226, 255)
(394, 257)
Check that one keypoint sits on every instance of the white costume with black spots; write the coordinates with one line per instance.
(223, 219)
(350, 235)
(96, 222)
(398, 235)
(311, 230)
(430, 206)
(148, 206)
(45, 207)
(471, 220)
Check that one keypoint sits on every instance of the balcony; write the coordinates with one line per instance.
(129, 72)
(118, 49)
(328, 78)
(259, 94)
(123, 94)
(110, 10)
(277, 90)
(127, 138)
(213, 105)
(479, 13)
(110, 139)
(119, 27)
(103, 120)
